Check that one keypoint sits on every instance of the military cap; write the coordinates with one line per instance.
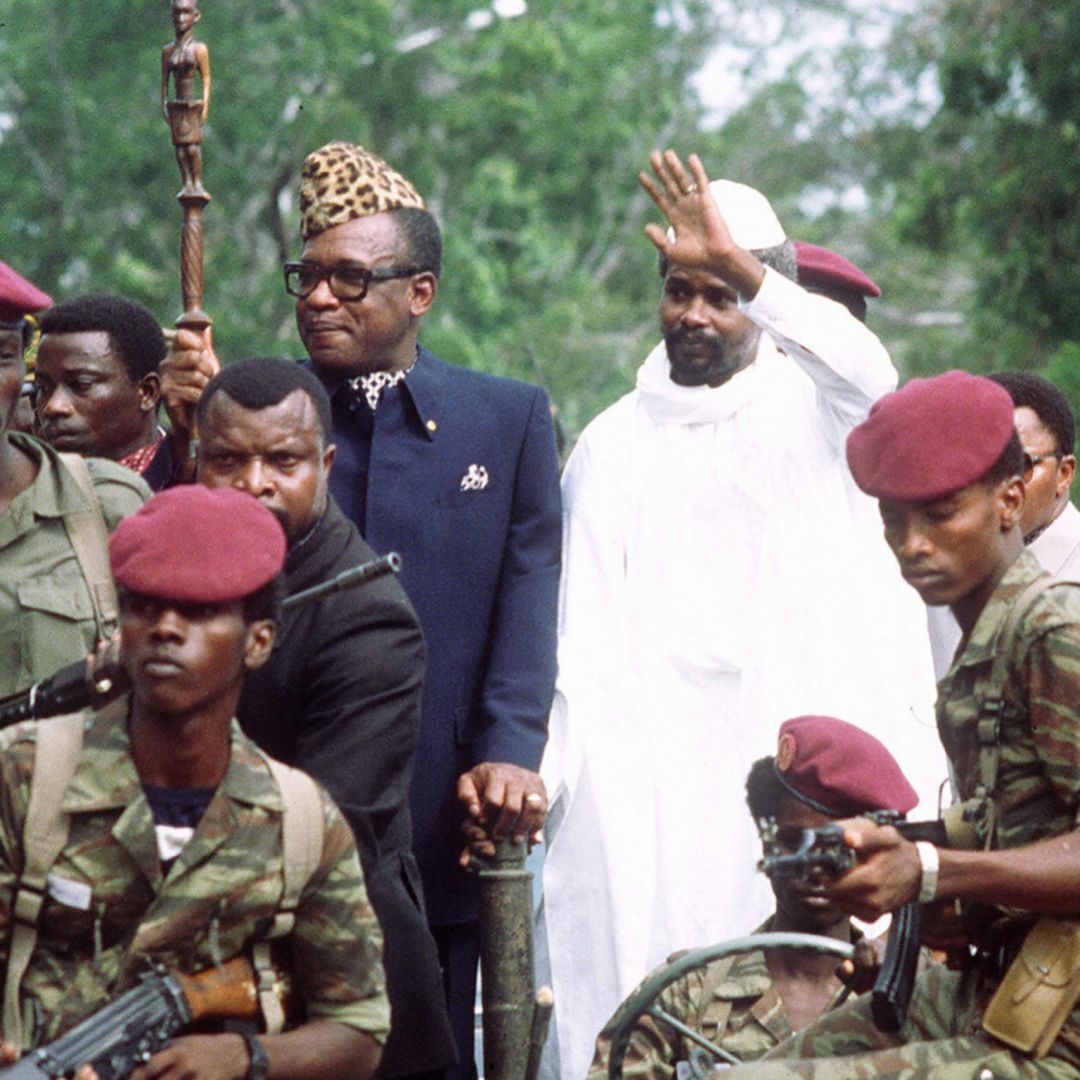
(18, 297)
(820, 268)
(342, 181)
(198, 546)
(931, 438)
(838, 769)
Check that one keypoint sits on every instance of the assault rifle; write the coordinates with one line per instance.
(823, 851)
(97, 680)
(134, 1027)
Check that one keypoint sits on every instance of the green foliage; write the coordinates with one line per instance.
(993, 171)
(525, 135)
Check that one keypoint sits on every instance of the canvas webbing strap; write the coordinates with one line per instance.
(992, 711)
(301, 851)
(45, 831)
(89, 538)
(715, 974)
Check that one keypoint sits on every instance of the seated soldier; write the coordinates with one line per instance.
(943, 459)
(824, 769)
(174, 846)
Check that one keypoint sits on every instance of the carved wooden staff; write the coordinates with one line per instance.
(182, 60)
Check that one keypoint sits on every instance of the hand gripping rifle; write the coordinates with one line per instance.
(823, 850)
(134, 1027)
(95, 682)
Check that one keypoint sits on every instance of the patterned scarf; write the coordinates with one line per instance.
(372, 386)
(139, 460)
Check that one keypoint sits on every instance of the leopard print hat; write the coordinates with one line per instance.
(342, 181)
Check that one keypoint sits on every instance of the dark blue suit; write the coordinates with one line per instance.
(481, 567)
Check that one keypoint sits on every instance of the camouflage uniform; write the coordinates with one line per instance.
(109, 909)
(46, 616)
(743, 995)
(1040, 758)
(701, 999)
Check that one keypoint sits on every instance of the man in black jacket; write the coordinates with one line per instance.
(340, 696)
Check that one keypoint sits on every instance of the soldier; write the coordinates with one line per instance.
(174, 848)
(824, 769)
(944, 461)
(19, 301)
(56, 512)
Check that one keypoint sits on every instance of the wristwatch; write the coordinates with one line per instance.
(259, 1065)
(928, 860)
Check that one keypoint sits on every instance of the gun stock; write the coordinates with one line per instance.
(225, 992)
(139, 1023)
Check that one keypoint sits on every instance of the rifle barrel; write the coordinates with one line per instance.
(72, 687)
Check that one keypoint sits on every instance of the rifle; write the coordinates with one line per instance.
(82, 684)
(134, 1027)
(823, 850)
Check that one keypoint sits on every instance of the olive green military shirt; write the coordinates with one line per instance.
(1038, 782)
(109, 909)
(46, 614)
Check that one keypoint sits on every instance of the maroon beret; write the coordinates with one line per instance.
(18, 297)
(931, 438)
(824, 269)
(194, 545)
(839, 769)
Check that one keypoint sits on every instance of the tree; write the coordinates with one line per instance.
(525, 135)
(992, 170)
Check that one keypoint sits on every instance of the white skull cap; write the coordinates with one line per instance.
(750, 218)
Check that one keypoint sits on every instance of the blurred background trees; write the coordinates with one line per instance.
(934, 142)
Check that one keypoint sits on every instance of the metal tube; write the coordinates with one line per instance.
(506, 961)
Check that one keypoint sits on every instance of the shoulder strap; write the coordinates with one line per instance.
(988, 730)
(45, 831)
(715, 974)
(89, 538)
(301, 852)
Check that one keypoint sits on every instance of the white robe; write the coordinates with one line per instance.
(721, 573)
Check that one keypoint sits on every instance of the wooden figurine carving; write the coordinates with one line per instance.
(186, 61)
(182, 60)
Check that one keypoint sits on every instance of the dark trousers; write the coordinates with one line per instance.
(459, 953)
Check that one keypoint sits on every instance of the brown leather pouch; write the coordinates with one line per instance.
(1037, 993)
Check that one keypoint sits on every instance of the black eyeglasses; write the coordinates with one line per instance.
(1031, 460)
(346, 282)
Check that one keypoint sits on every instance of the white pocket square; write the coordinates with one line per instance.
(476, 479)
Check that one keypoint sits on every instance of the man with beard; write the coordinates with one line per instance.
(721, 570)
(340, 694)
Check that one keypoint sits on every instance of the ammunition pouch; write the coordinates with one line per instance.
(961, 821)
(1040, 988)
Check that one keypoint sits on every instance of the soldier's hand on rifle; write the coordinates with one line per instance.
(197, 1057)
(190, 364)
(860, 972)
(505, 800)
(105, 672)
(884, 878)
